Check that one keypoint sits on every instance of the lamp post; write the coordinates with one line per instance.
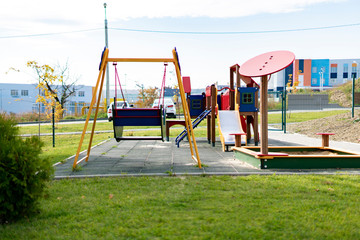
(142, 91)
(107, 67)
(353, 92)
(321, 79)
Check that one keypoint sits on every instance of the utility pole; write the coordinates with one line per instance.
(107, 67)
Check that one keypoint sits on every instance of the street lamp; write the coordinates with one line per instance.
(142, 91)
(353, 90)
(107, 67)
(321, 79)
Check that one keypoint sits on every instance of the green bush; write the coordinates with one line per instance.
(23, 173)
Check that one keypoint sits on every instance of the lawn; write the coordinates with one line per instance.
(66, 145)
(301, 116)
(222, 207)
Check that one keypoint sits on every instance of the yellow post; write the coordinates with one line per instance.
(188, 122)
(101, 72)
(96, 113)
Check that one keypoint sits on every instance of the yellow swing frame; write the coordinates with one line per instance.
(99, 84)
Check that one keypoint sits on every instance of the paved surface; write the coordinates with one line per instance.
(135, 158)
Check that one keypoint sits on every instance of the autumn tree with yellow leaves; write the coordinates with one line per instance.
(56, 87)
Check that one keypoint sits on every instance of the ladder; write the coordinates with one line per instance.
(195, 123)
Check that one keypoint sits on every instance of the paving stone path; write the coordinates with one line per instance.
(142, 158)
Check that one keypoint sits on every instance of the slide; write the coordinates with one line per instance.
(229, 122)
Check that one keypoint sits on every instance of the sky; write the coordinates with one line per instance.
(210, 36)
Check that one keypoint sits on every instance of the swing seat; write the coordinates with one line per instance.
(138, 117)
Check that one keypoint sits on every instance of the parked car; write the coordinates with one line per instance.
(119, 104)
(170, 109)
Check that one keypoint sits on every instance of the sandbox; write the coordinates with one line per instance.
(298, 157)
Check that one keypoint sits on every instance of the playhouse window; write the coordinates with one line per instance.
(247, 98)
(196, 104)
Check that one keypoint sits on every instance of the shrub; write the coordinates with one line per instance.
(23, 173)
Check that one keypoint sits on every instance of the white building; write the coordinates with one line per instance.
(21, 98)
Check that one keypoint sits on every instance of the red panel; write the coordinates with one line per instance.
(208, 91)
(187, 84)
(307, 72)
(225, 101)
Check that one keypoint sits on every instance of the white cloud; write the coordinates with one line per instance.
(207, 8)
(29, 15)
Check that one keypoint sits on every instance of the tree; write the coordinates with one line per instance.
(56, 85)
(147, 96)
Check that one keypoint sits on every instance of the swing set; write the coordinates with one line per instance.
(136, 116)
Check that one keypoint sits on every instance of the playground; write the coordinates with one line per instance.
(236, 110)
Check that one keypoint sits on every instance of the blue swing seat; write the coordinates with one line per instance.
(138, 117)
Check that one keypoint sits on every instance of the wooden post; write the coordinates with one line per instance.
(208, 118)
(213, 105)
(237, 100)
(232, 93)
(264, 114)
(238, 138)
(325, 139)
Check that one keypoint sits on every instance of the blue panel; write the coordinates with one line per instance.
(320, 65)
(197, 104)
(247, 99)
(137, 117)
(301, 65)
(289, 74)
(219, 101)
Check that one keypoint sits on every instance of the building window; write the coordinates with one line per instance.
(354, 70)
(333, 71)
(14, 93)
(81, 93)
(24, 92)
(314, 70)
(345, 75)
(314, 81)
(346, 68)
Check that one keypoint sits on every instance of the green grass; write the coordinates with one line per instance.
(66, 145)
(253, 207)
(74, 127)
(302, 116)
